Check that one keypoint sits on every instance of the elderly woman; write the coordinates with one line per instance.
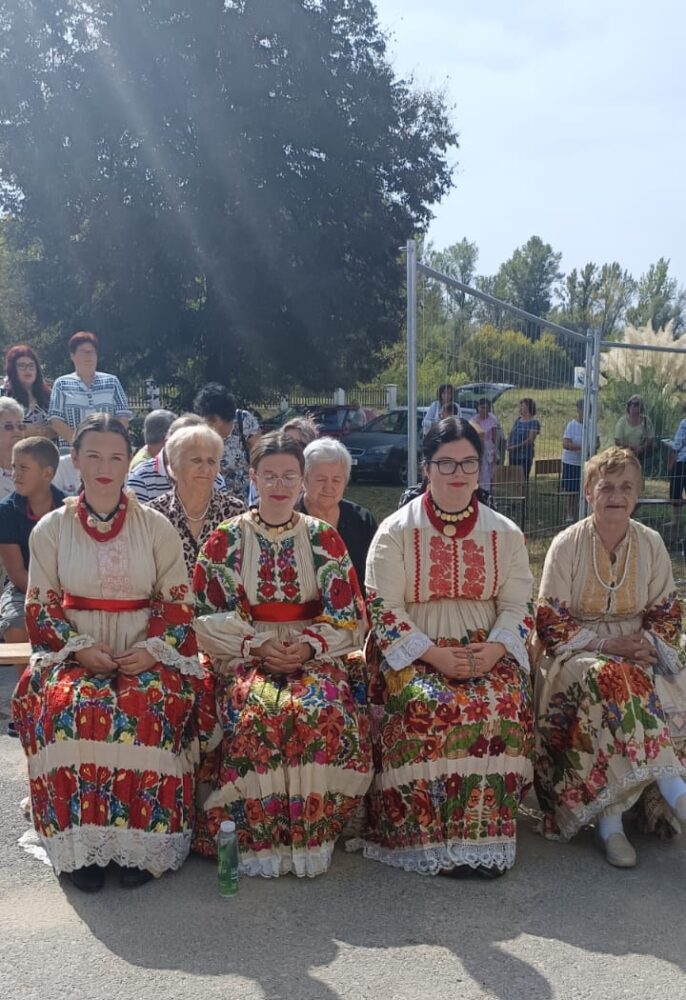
(448, 591)
(610, 695)
(193, 506)
(114, 702)
(25, 383)
(301, 429)
(279, 613)
(327, 472)
(634, 430)
(11, 431)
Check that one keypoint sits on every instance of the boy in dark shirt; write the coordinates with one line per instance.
(34, 462)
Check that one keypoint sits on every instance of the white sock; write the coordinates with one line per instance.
(607, 825)
(671, 790)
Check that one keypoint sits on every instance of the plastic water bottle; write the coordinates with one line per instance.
(227, 854)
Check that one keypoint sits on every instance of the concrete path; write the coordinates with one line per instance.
(562, 924)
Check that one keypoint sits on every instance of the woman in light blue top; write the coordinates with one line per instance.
(444, 405)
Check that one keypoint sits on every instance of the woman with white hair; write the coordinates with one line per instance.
(327, 472)
(193, 506)
(11, 431)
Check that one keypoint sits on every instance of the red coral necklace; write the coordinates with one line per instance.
(102, 528)
(453, 524)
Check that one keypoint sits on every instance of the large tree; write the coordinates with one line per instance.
(660, 300)
(529, 279)
(215, 187)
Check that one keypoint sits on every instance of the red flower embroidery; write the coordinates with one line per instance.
(474, 570)
(215, 593)
(441, 571)
(340, 594)
(216, 546)
(332, 543)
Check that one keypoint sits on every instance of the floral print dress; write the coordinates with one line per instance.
(111, 759)
(295, 759)
(606, 728)
(452, 758)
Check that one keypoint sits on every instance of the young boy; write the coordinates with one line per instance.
(34, 461)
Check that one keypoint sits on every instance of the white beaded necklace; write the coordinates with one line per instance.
(620, 583)
(188, 516)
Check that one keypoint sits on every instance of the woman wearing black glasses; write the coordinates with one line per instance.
(449, 591)
(280, 613)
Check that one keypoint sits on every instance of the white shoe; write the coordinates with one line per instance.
(618, 850)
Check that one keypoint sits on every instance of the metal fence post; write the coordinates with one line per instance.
(411, 362)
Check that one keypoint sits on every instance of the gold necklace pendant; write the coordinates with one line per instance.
(450, 530)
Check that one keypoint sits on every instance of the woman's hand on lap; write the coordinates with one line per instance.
(282, 658)
(135, 661)
(97, 660)
(634, 647)
(464, 663)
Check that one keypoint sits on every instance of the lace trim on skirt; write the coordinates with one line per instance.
(442, 857)
(92, 845)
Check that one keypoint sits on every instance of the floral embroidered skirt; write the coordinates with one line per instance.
(294, 764)
(453, 763)
(111, 763)
(602, 737)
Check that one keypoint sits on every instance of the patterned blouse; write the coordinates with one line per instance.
(222, 507)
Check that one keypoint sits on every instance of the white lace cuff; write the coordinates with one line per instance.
(50, 658)
(579, 641)
(668, 660)
(513, 644)
(407, 650)
(189, 666)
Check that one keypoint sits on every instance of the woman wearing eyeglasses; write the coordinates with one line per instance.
(279, 612)
(11, 431)
(26, 383)
(448, 593)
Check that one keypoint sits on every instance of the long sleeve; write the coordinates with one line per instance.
(514, 608)
(170, 637)
(663, 617)
(340, 626)
(52, 637)
(223, 624)
(431, 416)
(557, 628)
(398, 638)
(121, 403)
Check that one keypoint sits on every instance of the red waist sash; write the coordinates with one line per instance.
(282, 611)
(73, 602)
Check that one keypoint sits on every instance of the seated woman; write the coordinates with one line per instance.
(114, 701)
(193, 506)
(279, 610)
(327, 472)
(609, 686)
(448, 592)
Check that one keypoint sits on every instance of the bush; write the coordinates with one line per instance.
(493, 355)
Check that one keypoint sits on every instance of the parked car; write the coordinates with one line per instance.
(332, 421)
(379, 450)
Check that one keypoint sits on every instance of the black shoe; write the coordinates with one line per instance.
(490, 873)
(89, 879)
(12, 730)
(131, 878)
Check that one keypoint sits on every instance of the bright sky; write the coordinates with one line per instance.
(572, 122)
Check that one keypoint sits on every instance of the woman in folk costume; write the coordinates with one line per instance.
(448, 588)
(280, 616)
(114, 704)
(610, 692)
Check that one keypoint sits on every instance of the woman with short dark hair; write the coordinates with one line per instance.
(525, 430)
(448, 593)
(280, 615)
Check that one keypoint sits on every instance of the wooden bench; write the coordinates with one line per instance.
(14, 654)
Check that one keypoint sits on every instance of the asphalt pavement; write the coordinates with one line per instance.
(562, 924)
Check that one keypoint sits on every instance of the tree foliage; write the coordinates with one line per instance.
(216, 188)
